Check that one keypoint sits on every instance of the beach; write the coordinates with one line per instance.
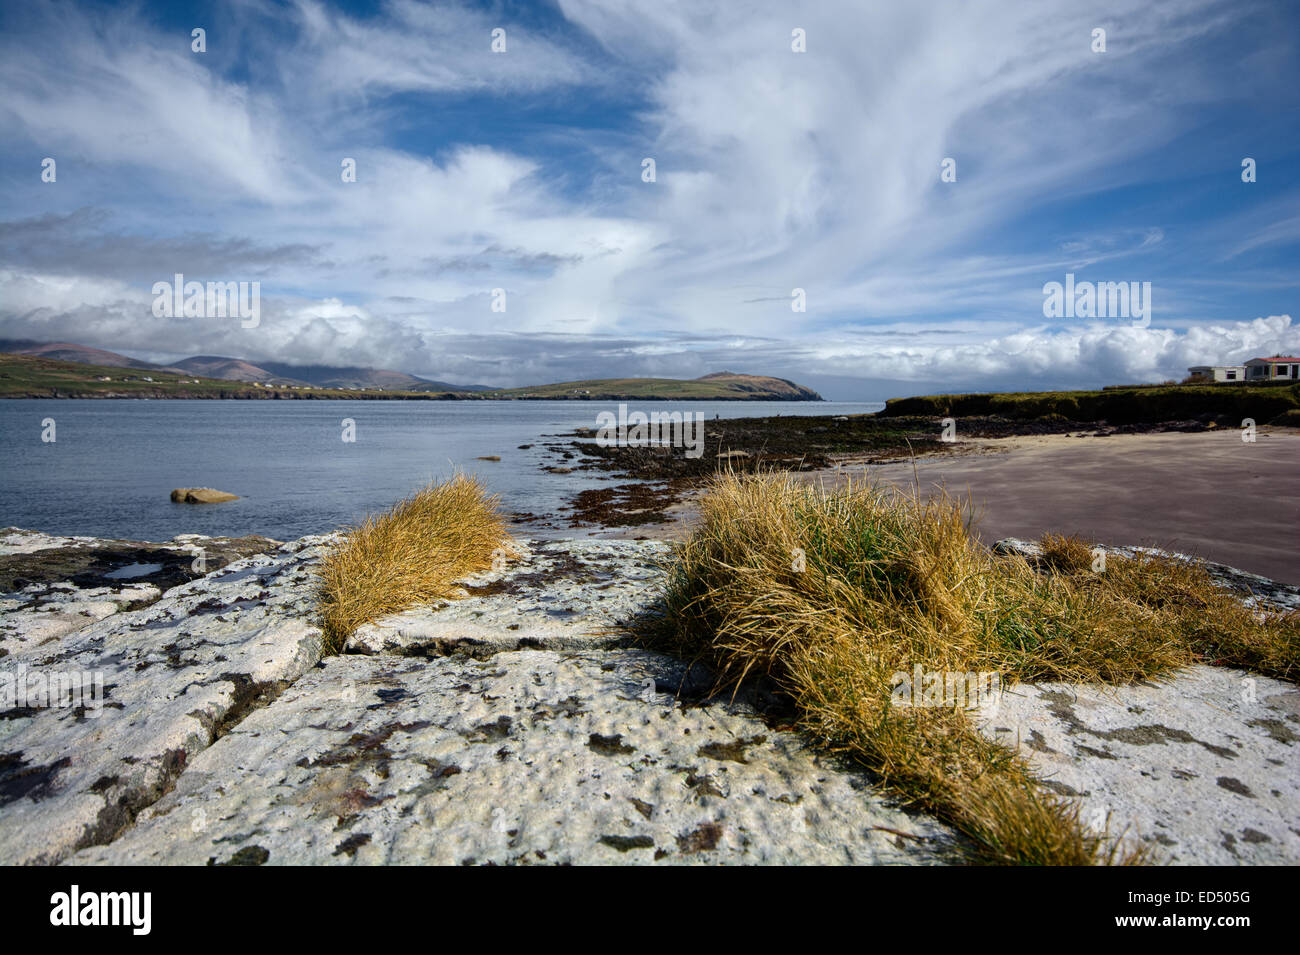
(1208, 493)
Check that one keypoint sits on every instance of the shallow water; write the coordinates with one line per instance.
(113, 463)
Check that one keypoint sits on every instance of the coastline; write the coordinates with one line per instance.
(290, 395)
(520, 723)
(1208, 494)
(1190, 493)
(530, 682)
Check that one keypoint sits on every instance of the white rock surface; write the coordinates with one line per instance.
(1205, 768)
(104, 577)
(43, 613)
(15, 540)
(529, 757)
(560, 594)
(517, 725)
(171, 675)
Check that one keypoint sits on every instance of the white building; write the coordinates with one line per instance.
(1219, 372)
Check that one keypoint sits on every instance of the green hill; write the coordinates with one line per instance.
(721, 386)
(30, 376)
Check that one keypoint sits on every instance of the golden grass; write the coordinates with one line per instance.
(1211, 624)
(410, 555)
(832, 593)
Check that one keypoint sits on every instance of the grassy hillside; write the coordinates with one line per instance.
(1115, 405)
(719, 387)
(25, 376)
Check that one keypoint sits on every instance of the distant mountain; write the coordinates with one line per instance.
(719, 386)
(763, 384)
(66, 351)
(331, 376)
(233, 369)
(238, 369)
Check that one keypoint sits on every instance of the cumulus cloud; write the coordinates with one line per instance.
(522, 172)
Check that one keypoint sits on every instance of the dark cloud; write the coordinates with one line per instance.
(82, 243)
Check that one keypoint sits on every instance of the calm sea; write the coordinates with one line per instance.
(113, 463)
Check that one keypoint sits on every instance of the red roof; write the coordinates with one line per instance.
(1275, 359)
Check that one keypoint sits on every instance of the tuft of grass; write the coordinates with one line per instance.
(409, 555)
(1209, 623)
(832, 593)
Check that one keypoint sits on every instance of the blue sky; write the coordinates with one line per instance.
(775, 170)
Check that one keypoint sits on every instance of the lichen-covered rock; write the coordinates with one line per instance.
(518, 725)
(558, 594)
(53, 586)
(42, 613)
(16, 540)
(1204, 768)
(98, 724)
(612, 756)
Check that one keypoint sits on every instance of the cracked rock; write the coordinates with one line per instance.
(529, 757)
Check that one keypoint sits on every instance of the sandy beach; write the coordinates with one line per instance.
(1209, 494)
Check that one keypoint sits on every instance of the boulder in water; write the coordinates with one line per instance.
(201, 495)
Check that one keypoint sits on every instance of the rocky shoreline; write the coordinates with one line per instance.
(520, 724)
(665, 477)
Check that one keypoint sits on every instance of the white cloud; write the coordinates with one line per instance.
(439, 48)
(775, 170)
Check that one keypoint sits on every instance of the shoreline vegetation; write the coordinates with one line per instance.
(410, 555)
(832, 594)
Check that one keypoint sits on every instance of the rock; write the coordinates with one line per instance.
(15, 540)
(558, 595)
(1204, 768)
(529, 757)
(201, 495)
(161, 684)
(42, 614)
(54, 586)
(518, 725)
(489, 457)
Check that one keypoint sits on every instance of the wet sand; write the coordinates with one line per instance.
(1209, 493)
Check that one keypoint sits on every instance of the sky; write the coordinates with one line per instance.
(776, 169)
